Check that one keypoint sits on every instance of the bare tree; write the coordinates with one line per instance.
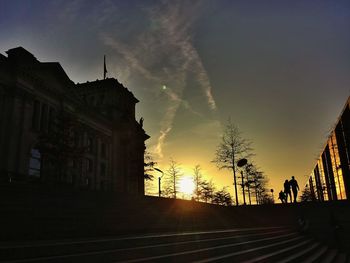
(231, 148)
(150, 188)
(198, 181)
(148, 169)
(256, 182)
(173, 174)
(249, 170)
(307, 195)
(222, 197)
(167, 190)
(266, 198)
(260, 186)
(207, 191)
(149, 164)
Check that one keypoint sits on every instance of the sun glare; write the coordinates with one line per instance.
(186, 185)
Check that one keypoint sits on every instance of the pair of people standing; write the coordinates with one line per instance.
(287, 187)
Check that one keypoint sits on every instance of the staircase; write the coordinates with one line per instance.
(268, 244)
(105, 227)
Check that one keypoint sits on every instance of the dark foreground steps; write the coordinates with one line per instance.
(270, 244)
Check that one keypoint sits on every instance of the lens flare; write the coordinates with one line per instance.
(186, 185)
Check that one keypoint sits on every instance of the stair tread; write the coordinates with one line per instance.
(340, 258)
(315, 256)
(330, 255)
(265, 257)
(213, 259)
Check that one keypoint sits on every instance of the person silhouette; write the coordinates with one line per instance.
(282, 197)
(287, 191)
(295, 187)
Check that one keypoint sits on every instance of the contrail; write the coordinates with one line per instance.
(175, 29)
(164, 54)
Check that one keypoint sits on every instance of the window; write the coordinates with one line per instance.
(103, 169)
(90, 142)
(34, 163)
(338, 176)
(43, 120)
(51, 118)
(103, 150)
(71, 163)
(76, 139)
(322, 179)
(102, 99)
(80, 166)
(89, 165)
(36, 115)
(92, 100)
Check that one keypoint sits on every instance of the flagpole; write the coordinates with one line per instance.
(104, 67)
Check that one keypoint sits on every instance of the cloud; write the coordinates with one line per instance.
(163, 54)
(129, 56)
(177, 23)
(69, 11)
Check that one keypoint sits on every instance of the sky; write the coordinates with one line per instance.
(278, 69)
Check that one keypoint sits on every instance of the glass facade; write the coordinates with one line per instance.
(336, 168)
(330, 179)
(313, 189)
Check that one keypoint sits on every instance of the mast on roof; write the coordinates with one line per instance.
(104, 67)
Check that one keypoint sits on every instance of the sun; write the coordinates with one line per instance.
(186, 185)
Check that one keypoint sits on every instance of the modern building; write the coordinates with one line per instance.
(330, 178)
(54, 131)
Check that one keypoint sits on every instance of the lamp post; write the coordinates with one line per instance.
(273, 198)
(243, 188)
(240, 164)
(159, 181)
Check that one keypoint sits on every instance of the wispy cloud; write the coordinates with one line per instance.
(165, 55)
(129, 56)
(69, 11)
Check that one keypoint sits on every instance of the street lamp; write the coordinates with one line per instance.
(240, 164)
(159, 181)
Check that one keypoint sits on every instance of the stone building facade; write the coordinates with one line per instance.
(89, 131)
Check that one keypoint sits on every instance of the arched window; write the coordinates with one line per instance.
(35, 163)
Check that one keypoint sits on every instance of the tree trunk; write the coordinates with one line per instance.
(250, 202)
(243, 188)
(235, 183)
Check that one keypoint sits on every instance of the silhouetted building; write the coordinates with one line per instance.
(56, 132)
(330, 178)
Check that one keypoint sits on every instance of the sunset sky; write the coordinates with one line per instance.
(279, 69)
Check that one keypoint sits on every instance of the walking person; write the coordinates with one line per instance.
(295, 187)
(287, 191)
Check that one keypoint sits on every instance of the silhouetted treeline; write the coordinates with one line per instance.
(233, 153)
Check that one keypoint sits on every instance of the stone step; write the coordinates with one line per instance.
(207, 250)
(268, 253)
(316, 256)
(288, 254)
(340, 258)
(164, 241)
(329, 256)
(234, 245)
(157, 247)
